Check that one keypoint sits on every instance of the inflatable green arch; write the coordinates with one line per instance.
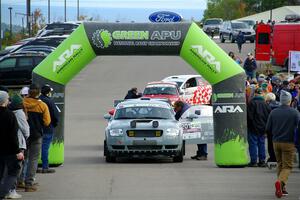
(184, 39)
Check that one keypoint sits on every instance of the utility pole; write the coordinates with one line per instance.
(271, 11)
(48, 11)
(10, 22)
(0, 26)
(23, 15)
(65, 10)
(28, 16)
(77, 10)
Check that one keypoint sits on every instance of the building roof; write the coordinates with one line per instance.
(278, 14)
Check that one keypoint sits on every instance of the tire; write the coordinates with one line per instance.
(104, 148)
(252, 41)
(179, 157)
(222, 40)
(108, 157)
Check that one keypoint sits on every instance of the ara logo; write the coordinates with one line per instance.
(102, 38)
(65, 57)
(209, 58)
(229, 109)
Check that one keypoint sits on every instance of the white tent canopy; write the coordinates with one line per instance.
(278, 14)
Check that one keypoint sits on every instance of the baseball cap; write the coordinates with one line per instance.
(24, 91)
(46, 89)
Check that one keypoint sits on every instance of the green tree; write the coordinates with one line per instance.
(225, 9)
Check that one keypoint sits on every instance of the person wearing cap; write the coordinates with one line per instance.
(24, 91)
(257, 116)
(133, 94)
(250, 66)
(282, 124)
(16, 105)
(38, 117)
(10, 153)
(48, 131)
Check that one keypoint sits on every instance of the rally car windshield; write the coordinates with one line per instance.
(143, 113)
(160, 91)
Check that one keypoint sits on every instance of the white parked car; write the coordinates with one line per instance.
(194, 89)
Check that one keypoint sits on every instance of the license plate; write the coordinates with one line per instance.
(144, 142)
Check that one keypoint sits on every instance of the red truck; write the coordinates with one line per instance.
(273, 43)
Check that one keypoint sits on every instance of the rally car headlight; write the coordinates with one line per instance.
(172, 132)
(116, 132)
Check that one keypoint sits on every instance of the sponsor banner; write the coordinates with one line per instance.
(137, 39)
(207, 58)
(230, 122)
(73, 54)
(165, 16)
(228, 108)
(217, 97)
(294, 61)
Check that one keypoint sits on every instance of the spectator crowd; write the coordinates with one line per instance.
(27, 126)
(273, 105)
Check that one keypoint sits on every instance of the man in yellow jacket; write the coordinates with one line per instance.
(38, 117)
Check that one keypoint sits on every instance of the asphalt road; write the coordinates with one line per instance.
(85, 175)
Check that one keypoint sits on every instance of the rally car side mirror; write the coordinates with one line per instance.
(192, 116)
(107, 116)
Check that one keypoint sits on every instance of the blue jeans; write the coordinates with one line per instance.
(256, 145)
(202, 150)
(47, 139)
(251, 74)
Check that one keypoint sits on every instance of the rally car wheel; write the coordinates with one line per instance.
(108, 157)
(179, 157)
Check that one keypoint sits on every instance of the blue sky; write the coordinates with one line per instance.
(107, 10)
(169, 4)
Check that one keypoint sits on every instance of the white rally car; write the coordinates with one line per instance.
(194, 89)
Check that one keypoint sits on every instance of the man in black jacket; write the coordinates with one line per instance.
(250, 66)
(257, 116)
(49, 130)
(10, 153)
(133, 94)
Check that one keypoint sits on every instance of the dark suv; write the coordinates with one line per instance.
(16, 68)
(230, 29)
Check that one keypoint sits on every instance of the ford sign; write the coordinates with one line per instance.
(165, 16)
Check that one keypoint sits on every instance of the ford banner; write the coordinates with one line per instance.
(165, 16)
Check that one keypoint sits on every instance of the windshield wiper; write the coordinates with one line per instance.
(125, 118)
